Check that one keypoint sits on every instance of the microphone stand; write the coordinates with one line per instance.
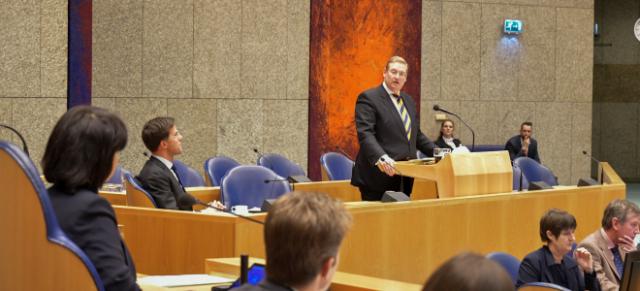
(24, 143)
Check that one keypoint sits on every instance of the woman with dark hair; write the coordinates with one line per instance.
(469, 272)
(553, 262)
(446, 139)
(83, 152)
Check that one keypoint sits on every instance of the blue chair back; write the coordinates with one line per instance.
(24, 192)
(215, 168)
(117, 176)
(136, 195)
(337, 166)
(534, 171)
(280, 165)
(488, 148)
(420, 155)
(189, 177)
(251, 185)
(510, 263)
(539, 286)
(517, 177)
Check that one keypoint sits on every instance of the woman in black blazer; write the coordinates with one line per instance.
(83, 152)
(554, 262)
(446, 139)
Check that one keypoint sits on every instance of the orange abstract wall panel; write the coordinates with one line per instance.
(351, 40)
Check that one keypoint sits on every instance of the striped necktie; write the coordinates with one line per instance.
(404, 115)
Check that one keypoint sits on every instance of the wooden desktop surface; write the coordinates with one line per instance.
(341, 190)
(341, 281)
(399, 241)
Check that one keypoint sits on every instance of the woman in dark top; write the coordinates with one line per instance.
(446, 139)
(554, 263)
(82, 153)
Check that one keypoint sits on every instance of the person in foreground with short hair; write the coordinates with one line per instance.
(446, 138)
(303, 232)
(161, 137)
(469, 272)
(388, 130)
(82, 153)
(551, 263)
(610, 244)
(523, 145)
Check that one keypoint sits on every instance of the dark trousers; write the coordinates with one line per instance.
(401, 184)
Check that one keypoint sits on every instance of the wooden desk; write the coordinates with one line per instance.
(164, 242)
(341, 281)
(204, 194)
(400, 241)
(341, 190)
(464, 174)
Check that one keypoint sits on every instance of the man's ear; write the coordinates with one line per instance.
(615, 223)
(162, 144)
(326, 266)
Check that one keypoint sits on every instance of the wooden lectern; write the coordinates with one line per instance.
(464, 174)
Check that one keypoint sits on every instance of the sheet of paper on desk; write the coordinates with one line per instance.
(182, 280)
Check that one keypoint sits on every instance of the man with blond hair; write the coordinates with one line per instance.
(302, 236)
(388, 130)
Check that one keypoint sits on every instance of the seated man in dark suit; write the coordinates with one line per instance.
(158, 175)
(302, 237)
(523, 145)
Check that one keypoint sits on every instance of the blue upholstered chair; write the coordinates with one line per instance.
(510, 263)
(519, 180)
(189, 177)
(488, 148)
(542, 286)
(534, 171)
(280, 165)
(215, 168)
(116, 178)
(136, 195)
(337, 166)
(251, 185)
(32, 233)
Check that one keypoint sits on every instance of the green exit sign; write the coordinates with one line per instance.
(512, 26)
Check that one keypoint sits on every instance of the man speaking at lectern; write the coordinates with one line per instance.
(388, 131)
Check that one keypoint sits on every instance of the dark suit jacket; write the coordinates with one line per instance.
(514, 146)
(89, 221)
(441, 144)
(381, 131)
(163, 186)
(536, 268)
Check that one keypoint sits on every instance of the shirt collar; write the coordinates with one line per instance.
(566, 261)
(387, 89)
(610, 244)
(166, 162)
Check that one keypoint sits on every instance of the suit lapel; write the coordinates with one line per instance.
(393, 111)
(608, 255)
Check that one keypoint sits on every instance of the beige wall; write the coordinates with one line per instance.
(543, 75)
(616, 111)
(33, 69)
(235, 73)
